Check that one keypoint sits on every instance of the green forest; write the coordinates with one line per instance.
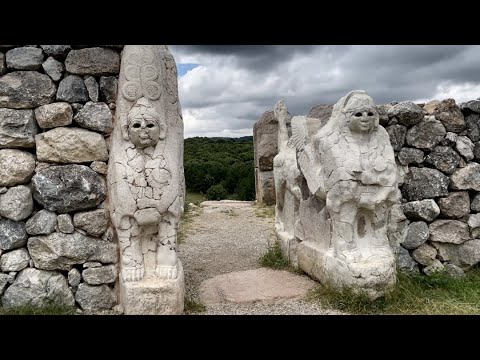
(220, 168)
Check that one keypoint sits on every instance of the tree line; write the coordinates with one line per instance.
(220, 168)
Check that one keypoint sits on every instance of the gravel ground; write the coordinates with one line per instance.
(226, 236)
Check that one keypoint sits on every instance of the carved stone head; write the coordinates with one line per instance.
(280, 109)
(361, 115)
(144, 126)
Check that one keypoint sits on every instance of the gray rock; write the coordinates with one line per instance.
(321, 112)
(396, 134)
(407, 113)
(383, 113)
(456, 205)
(465, 147)
(450, 139)
(100, 275)
(474, 225)
(91, 264)
(265, 137)
(3, 66)
(74, 277)
(448, 113)
(108, 89)
(92, 88)
(454, 271)
(435, 267)
(417, 234)
(12, 234)
(61, 251)
(71, 145)
(65, 224)
(76, 107)
(54, 115)
(99, 297)
(449, 231)
(410, 156)
(467, 178)
(424, 183)
(94, 222)
(464, 255)
(3, 190)
(405, 262)
(95, 116)
(426, 134)
(425, 254)
(444, 158)
(68, 188)
(425, 210)
(43, 222)
(53, 68)
(72, 89)
(58, 51)
(472, 106)
(24, 58)
(17, 128)
(99, 167)
(17, 203)
(26, 89)
(472, 123)
(16, 167)
(476, 151)
(475, 203)
(11, 277)
(15, 260)
(93, 61)
(3, 282)
(38, 288)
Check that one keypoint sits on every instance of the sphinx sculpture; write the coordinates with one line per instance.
(146, 181)
(349, 185)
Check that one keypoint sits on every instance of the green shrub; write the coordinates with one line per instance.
(216, 192)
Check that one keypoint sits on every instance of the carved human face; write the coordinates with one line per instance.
(362, 120)
(143, 131)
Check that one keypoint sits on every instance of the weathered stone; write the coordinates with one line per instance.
(38, 288)
(99, 167)
(383, 113)
(417, 234)
(321, 112)
(26, 89)
(265, 138)
(454, 271)
(12, 234)
(475, 203)
(72, 89)
(17, 128)
(425, 210)
(463, 255)
(16, 167)
(425, 254)
(42, 223)
(448, 113)
(410, 156)
(397, 227)
(91, 264)
(472, 106)
(3, 190)
(54, 115)
(100, 275)
(456, 205)
(3, 282)
(467, 178)
(3, 66)
(61, 251)
(424, 183)
(108, 89)
(93, 61)
(92, 88)
(95, 116)
(426, 134)
(76, 108)
(265, 187)
(449, 231)
(71, 145)
(472, 123)
(474, 225)
(95, 297)
(465, 147)
(53, 68)
(396, 134)
(74, 277)
(407, 113)
(24, 58)
(94, 222)
(59, 51)
(435, 267)
(68, 188)
(15, 260)
(450, 139)
(405, 262)
(65, 224)
(444, 158)
(17, 203)
(12, 276)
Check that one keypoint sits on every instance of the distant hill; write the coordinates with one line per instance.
(226, 139)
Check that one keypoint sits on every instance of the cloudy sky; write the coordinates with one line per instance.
(224, 89)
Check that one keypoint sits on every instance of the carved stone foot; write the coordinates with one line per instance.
(166, 272)
(133, 273)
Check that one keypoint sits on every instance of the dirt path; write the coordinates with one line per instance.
(221, 237)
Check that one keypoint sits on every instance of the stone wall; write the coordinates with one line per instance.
(56, 113)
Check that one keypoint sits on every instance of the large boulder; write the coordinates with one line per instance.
(26, 90)
(17, 128)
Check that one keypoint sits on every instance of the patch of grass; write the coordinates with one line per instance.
(273, 259)
(195, 198)
(413, 294)
(192, 306)
(47, 310)
(265, 211)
